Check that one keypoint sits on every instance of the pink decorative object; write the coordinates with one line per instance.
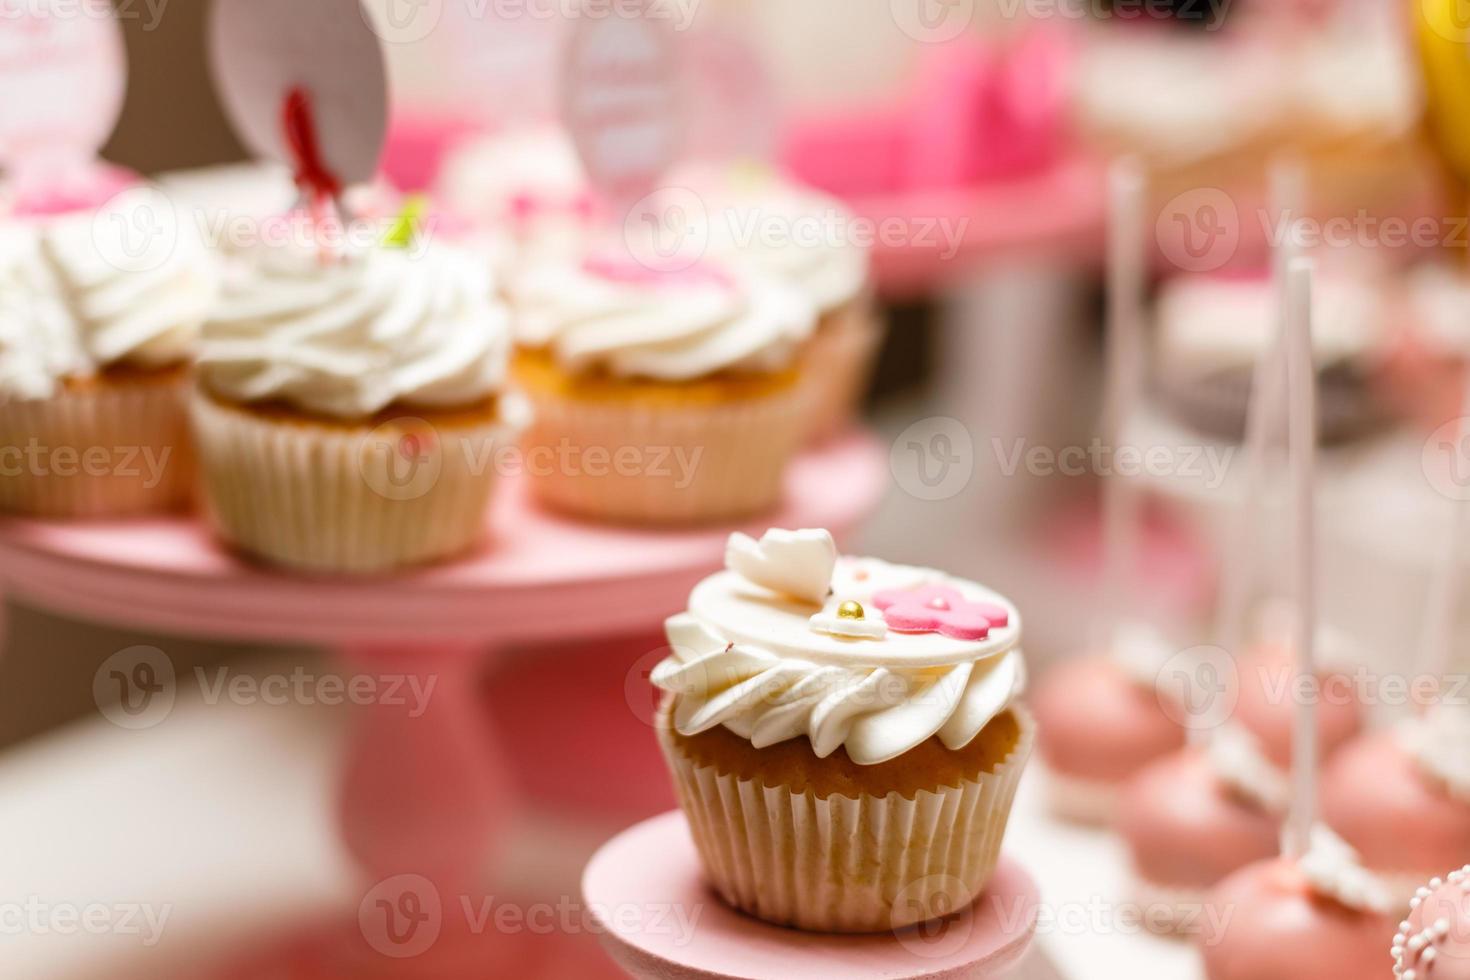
(1280, 929)
(654, 866)
(627, 269)
(417, 145)
(1433, 942)
(1404, 826)
(81, 189)
(1267, 704)
(1186, 831)
(939, 609)
(1096, 728)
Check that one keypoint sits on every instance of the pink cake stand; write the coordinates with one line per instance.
(639, 879)
(422, 794)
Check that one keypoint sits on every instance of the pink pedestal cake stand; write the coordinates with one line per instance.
(654, 866)
(422, 794)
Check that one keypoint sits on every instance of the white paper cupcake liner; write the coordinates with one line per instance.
(119, 449)
(663, 464)
(360, 501)
(838, 364)
(848, 865)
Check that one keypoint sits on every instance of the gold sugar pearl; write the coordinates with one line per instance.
(850, 610)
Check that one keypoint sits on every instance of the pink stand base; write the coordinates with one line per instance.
(660, 922)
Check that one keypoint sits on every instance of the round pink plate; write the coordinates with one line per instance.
(659, 921)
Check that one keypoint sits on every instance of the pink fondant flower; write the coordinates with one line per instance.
(939, 609)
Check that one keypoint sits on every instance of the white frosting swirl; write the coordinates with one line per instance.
(79, 301)
(746, 657)
(1438, 742)
(674, 328)
(349, 336)
(1334, 870)
(783, 230)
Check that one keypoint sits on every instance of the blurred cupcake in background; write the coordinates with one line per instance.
(349, 405)
(100, 309)
(1211, 330)
(526, 184)
(1208, 101)
(660, 397)
(808, 240)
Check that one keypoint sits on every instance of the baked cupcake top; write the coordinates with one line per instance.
(855, 653)
(782, 229)
(348, 335)
(1216, 323)
(77, 299)
(630, 321)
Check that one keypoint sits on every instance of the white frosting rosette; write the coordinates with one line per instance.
(791, 642)
(76, 302)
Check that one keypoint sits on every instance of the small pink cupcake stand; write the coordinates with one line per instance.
(639, 879)
(422, 794)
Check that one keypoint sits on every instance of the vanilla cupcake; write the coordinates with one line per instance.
(96, 340)
(349, 406)
(843, 734)
(809, 241)
(659, 397)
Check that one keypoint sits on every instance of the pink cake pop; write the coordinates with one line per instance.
(1397, 798)
(1284, 925)
(1433, 943)
(1099, 724)
(1268, 698)
(1193, 818)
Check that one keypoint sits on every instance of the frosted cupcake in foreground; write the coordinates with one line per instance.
(660, 397)
(843, 733)
(805, 239)
(95, 345)
(349, 406)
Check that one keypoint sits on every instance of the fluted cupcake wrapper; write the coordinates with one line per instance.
(839, 364)
(840, 864)
(663, 464)
(118, 449)
(349, 500)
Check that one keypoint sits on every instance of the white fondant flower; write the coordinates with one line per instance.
(798, 564)
(1437, 741)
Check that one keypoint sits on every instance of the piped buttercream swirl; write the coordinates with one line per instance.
(86, 291)
(349, 335)
(746, 656)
